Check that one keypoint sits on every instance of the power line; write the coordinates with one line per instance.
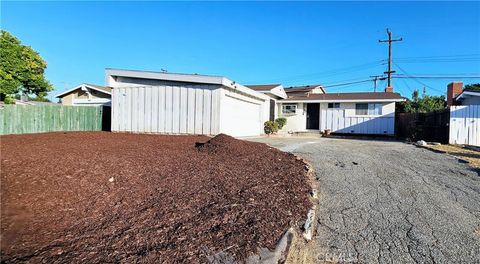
(435, 77)
(345, 84)
(330, 73)
(441, 56)
(415, 79)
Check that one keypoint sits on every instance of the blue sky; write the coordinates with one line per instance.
(292, 43)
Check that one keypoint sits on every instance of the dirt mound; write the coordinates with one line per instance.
(223, 144)
(110, 197)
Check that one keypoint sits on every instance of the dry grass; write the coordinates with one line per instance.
(472, 156)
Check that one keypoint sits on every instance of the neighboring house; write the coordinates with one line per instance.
(275, 91)
(306, 89)
(158, 102)
(456, 95)
(86, 95)
(352, 113)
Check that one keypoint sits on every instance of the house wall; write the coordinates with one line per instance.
(67, 99)
(474, 100)
(344, 120)
(184, 108)
(72, 98)
(295, 122)
(179, 109)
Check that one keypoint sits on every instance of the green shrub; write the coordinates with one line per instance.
(9, 100)
(281, 121)
(270, 127)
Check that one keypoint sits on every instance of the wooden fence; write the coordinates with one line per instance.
(465, 125)
(22, 119)
(433, 126)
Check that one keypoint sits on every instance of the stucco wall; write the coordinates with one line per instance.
(67, 99)
(295, 122)
(79, 94)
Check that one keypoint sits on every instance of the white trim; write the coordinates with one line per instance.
(91, 101)
(340, 101)
(81, 86)
(467, 93)
(187, 78)
(192, 78)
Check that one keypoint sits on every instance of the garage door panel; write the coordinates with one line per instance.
(240, 117)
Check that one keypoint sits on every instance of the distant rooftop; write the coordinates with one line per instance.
(262, 87)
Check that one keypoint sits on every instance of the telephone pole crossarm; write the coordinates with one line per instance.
(389, 71)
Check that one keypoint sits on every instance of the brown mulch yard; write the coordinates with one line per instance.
(89, 197)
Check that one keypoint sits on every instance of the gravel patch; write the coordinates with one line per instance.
(390, 202)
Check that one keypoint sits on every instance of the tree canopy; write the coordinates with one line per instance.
(472, 87)
(422, 104)
(21, 68)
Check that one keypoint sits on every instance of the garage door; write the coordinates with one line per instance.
(240, 117)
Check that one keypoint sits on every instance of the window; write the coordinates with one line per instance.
(333, 105)
(368, 109)
(289, 108)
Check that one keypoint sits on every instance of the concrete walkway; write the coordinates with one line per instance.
(389, 202)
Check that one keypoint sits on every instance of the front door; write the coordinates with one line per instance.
(313, 116)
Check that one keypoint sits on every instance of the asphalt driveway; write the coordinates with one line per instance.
(390, 202)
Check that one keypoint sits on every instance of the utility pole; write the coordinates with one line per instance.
(390, 41)
(375, 79)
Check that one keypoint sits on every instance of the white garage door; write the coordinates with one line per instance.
(240, 117)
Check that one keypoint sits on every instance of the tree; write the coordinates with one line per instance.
(472, 87)
(424, 104)
(21, 68)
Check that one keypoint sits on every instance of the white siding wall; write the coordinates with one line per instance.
(191, 109)
(465, 125)
(344, 120)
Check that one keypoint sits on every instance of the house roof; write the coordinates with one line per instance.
(467, 93)
(102, 89)
(347, 97)
(262, 87)
(304, 88)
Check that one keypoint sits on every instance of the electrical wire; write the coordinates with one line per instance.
(415, 79)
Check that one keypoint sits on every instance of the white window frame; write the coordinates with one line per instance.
(334, 106)
(371, 109)
(289, 112)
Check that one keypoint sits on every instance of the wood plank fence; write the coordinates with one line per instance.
(433, 126)
(465, 125)
(22, 119)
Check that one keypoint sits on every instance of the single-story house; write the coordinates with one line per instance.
(173, 103)
(86, 95)
(352, 113)
(159, 102)
(457, 95)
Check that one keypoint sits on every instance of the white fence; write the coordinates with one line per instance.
(465, 125)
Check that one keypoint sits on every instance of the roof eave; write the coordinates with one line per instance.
(340, 100)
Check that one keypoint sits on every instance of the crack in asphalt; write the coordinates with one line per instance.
(390, 202)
